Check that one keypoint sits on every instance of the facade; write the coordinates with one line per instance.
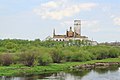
(71, 34)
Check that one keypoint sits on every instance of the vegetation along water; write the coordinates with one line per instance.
(28, 57)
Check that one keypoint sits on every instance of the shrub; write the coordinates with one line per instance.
(6, 59)
(3, 49)
(44, 59)
(113, 53)
(81, 56)
(102, 54)
(67, 55)
(57, 55)
(28, 57)
(99, 52)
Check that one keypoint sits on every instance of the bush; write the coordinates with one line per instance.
(81, 56)
(57, 55)
(3, 49)
(28, 57)
(113, 53)
(44, 59)
(6, 59)
(67, 55)
(99, 52)
(102, 53)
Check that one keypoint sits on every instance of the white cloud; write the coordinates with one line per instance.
(50, 4)
(59, 9)
(67, 23)
(92, 25)
(89, 25)
(116, 21)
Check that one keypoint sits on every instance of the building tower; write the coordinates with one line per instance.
(77, 27)
(53, 32)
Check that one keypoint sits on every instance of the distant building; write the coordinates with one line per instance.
(71, 35)
(93, 43)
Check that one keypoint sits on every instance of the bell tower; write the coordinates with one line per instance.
(53, 32)
(77, 27)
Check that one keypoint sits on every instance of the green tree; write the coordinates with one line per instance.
(44, 59)
(57, 55)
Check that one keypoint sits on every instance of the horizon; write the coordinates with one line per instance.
(36, 19)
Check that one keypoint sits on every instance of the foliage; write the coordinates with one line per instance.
(114, 52)
(6, 59)
(44, 59)
(81, 56)
(57, 55)
(37, 52)
(28, 57)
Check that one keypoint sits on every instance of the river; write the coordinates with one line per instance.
(112, 73)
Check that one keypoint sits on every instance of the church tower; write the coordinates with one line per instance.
(77, 27)
(53, 32)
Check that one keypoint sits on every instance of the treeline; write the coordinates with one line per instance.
(16, 45)
(111, 43)
(33, 53)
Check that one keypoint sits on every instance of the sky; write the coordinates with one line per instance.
(36, 19)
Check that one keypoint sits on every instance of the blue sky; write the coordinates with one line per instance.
(31, 19)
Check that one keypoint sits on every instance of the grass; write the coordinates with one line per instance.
(15, 70)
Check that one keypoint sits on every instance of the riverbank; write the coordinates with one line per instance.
(18, 70)
(94, 66)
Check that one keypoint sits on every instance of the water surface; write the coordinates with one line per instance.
(112, 73)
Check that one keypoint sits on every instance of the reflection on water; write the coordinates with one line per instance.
(111, 73)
